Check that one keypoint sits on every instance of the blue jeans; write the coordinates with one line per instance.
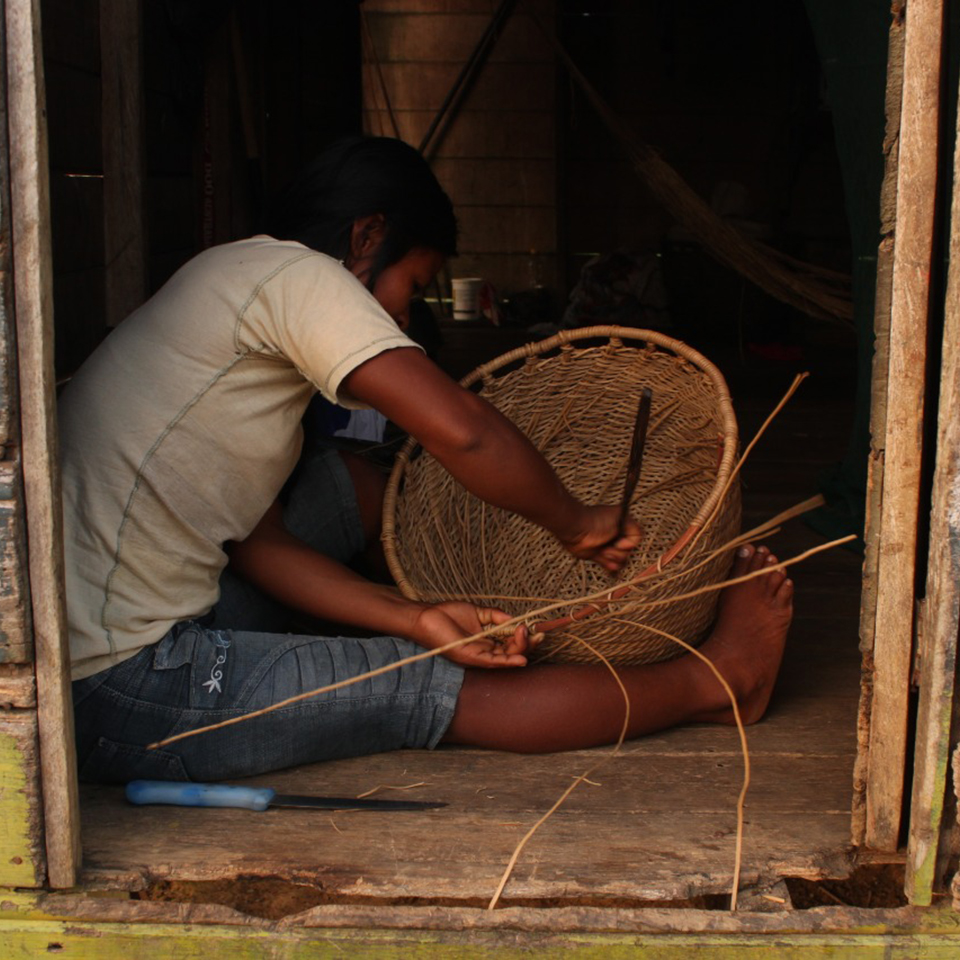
(231, 663)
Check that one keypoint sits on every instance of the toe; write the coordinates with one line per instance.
(785, 592)
(741, 564)
(758, 559)
(777, 576)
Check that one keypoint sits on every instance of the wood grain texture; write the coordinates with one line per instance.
(34, 301)
(18, 686)
(78, 908)
(16, 641)
(624, 838)
(938, 663)
(499, 936)
(21, 831)
(16, 644)
(878, 406)
(903, 443)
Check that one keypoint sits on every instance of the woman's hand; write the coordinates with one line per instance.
(439, 624)
(598, 537)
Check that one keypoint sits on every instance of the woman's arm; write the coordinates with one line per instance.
(295, 574)
(485, 452)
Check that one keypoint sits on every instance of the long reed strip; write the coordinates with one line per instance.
(492, 631)
(576, 783)
(735, 472)
(745, 786)
(741, 799)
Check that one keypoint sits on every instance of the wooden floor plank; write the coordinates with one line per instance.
(656, 827)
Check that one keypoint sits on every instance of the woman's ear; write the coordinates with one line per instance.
(366, 235)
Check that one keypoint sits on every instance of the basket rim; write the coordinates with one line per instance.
(729, 434)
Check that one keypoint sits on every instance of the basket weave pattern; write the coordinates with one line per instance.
(576, 399)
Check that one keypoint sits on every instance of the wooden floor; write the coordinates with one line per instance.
(656, 824)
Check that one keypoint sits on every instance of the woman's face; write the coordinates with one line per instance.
(404, 280)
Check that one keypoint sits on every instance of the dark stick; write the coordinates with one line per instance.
(636, 456)
(474, 62)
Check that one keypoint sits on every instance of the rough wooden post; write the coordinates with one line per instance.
(942, 621)
(33, 294)
(900, 506)
(22, 858)
(878, 411)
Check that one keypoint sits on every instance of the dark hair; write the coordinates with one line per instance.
(359, 176)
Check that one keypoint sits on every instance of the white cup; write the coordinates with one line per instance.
(466, 298)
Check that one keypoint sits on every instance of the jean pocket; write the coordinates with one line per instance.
(177, 647)
(114, 762)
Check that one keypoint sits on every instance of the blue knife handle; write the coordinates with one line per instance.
(199, 794)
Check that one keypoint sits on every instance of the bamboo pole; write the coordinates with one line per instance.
(903, 444)
(33, 294)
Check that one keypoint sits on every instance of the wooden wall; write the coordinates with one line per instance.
(730, 97)
(497, 157)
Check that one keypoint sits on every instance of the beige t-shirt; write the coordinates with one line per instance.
(179, 431)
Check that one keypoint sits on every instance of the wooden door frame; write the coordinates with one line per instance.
(895, 509)
(888, 627)
(937, 721)
(33, 299)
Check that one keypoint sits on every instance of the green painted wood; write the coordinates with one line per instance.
(94, 925)
(102, 941)
(21, 846)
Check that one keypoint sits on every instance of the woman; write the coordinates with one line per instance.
(178, 436)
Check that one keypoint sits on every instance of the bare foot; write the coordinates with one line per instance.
(748, 638)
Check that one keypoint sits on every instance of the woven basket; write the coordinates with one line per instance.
(575, 396)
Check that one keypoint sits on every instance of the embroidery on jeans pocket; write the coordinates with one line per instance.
(216, 674)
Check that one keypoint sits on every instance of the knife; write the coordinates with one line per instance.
(254, 798)
(638, 442)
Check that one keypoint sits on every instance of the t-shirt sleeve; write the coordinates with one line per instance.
(314, 312)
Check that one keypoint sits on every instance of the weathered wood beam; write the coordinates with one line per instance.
(16, 644)
(22, 862)
(18, 686)
(938, 662)
(878, 408)
(903, 443)
(107, 928)
(33, 291)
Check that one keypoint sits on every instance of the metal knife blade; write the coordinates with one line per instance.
(346, 803)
